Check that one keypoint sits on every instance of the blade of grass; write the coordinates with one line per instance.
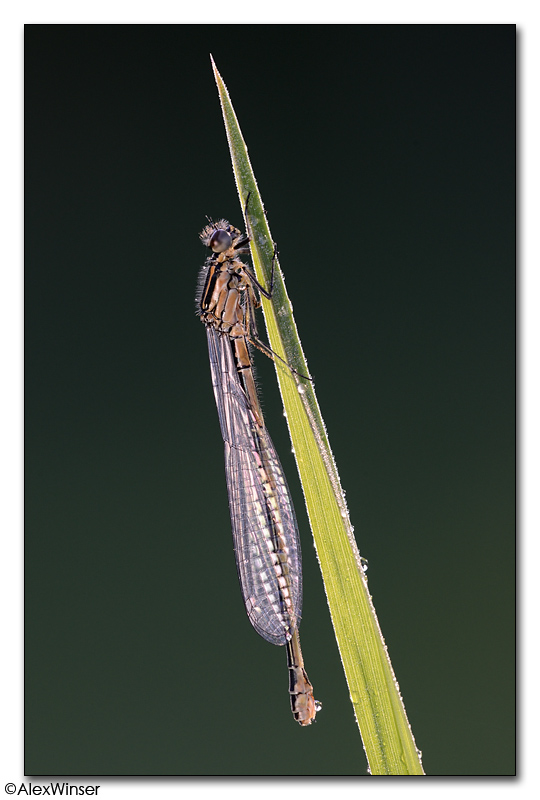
(374, 692)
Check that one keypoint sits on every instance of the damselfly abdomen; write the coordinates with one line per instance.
(265, 532)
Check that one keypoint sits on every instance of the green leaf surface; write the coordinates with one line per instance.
(374, 692)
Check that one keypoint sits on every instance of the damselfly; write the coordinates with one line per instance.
(265, 532)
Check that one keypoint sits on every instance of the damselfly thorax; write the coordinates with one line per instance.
(228, 298)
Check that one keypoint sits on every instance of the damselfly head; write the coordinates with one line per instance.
(220, 236)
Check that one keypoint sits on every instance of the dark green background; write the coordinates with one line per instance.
(386, 160)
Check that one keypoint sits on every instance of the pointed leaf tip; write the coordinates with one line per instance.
(216, 72)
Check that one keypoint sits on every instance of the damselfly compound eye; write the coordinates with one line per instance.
(220, 241)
